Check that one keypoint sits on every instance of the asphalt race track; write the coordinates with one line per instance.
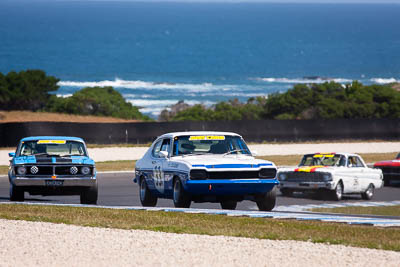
(118, 189)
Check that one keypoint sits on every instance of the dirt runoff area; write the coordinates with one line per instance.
(26, 243)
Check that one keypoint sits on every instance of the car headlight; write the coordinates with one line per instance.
(73, 170)
(327, 177)
(198, 174)
(21, 170)
(34, 169)
(85, 170)
(282, 176)
(267, 173)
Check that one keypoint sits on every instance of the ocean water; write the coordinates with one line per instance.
(156, 54)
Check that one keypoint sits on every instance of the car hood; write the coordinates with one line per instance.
(310, 169)
(52, 160)
(388, 163)
(224, 162)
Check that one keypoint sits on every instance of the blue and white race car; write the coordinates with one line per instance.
(52, 165)
(205, 167)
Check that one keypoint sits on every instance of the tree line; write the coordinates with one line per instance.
(329, 100)
(34, 90)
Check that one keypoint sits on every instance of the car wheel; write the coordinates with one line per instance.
(287, 192)
(369, 193)
(146, 197)
(228, 205)
(16, 194)
(266, 202)
(337, 193)
(180, 197)
(89, 195)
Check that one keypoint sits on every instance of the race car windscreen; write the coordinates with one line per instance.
(323, 160)
(52, 148)
(209, 144)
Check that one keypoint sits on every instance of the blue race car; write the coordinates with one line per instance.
(205, 167)
(52, 165)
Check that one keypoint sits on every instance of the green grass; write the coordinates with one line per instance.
(117, 165)
(174, 222)
(384, 211)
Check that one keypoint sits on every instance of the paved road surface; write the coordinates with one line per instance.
(117, 189)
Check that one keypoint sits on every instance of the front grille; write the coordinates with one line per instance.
(43, 170)
(49, 170)
(304, 177)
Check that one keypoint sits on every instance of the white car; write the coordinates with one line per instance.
(336, 173)
(205, 167)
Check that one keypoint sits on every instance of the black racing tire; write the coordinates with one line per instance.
(369, 193)
(146, 197)
(228, 205)
(89, 195)
(266, 201)
(16, 194)
(337, 193)
(180, 197)
(287, 192)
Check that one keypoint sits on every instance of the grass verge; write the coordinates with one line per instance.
(384, 211)
(117, 165)
(174, 222)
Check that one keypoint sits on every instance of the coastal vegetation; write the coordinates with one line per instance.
(329, 100)
(34, 90)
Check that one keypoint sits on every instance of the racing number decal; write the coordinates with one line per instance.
(158, 177)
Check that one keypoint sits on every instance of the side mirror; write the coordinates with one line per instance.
(11, 154)
(163, 154)
(254, 153)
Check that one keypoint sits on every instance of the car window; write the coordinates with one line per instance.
(165, 146)
(322, 160)
(162, 145)
(354, 161)
(52, 148)
(156, 149)
(209, 144)
(359, 163)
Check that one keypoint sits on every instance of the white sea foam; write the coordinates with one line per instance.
(384, 80)
(64, 96)
(303, 80)
(155, 107)
(119, 83)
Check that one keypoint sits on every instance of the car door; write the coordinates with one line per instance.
(356, 167)
(365, 176)
(158, 161)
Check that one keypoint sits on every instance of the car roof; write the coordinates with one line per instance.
(336, 153)
(68, 138)
(174, 134)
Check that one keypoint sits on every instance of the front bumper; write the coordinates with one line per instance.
(230, 187)
(66, 181)
(308, 185)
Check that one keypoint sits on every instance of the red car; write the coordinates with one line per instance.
(390, 169)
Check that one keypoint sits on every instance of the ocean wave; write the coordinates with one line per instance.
(304, 80)
(119, 83)
(384, 80)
